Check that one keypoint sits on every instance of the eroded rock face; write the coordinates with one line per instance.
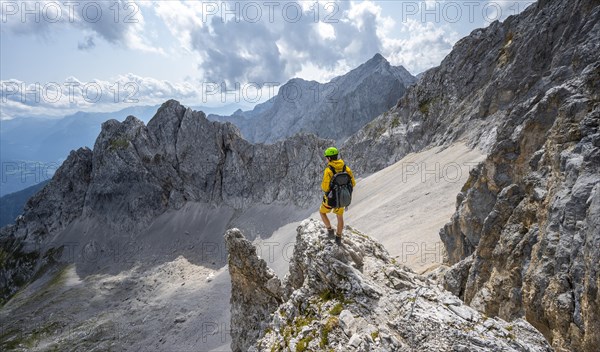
(524, 239)
(23, 251)
(534, 247)
(256, 291)
(353, 297)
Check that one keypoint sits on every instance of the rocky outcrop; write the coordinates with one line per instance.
(181, 156)
(524, 239)
(137, 172)
(12, 205)
(354, 297)
(22, 246)
(333, 110)
(528, 219)
(256, 292)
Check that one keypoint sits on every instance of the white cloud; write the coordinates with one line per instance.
(425, 46)
(180, 18)
(71, 95)
(119, 22)
(312, 72)
(59, 98)
(326, 31)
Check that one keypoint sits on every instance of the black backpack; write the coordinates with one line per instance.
(340, 194)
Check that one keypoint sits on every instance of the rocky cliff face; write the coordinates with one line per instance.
(137, 172)
(334, 110)
(353, 297)
(526, 232)
(524, 239)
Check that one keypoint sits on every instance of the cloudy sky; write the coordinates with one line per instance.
(58, 57)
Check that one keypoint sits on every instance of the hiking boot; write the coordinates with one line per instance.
(330, 232)
(338, 239)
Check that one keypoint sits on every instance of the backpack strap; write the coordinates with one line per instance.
(344, 168)
(333, 169)
(332, 176)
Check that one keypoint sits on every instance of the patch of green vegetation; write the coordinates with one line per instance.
(301, 322)
(331, 323)
(327, 295)
(358, 233)
(302, 345)
(395, 121)
(337, 309)
(3, 257)
(8, 342)
(509, 328)
(20, 339)
(468, 184)
(375, 335)
(424, 106)
(287, 335)
(118, 143)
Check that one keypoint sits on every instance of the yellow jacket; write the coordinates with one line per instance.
(338, 165)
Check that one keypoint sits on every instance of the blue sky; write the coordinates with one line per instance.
(104, 55)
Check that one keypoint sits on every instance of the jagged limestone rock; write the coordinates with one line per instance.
(524, 238)
(23, 246)
(256, 291)
(353, 297)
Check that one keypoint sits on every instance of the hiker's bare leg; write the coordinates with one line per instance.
(325, 220)
(340, 223)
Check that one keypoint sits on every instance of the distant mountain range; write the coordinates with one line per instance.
(333, 110)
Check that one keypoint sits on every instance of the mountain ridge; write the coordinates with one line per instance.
(332, 110)
(136, 172)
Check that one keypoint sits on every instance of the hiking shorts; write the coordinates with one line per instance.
(326, 209)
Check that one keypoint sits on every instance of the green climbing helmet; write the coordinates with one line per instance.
(331, 151)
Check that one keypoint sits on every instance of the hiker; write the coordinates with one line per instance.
(338, 182)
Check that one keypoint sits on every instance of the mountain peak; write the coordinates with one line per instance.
(324, 108)
(378, 57)
(375, 62)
